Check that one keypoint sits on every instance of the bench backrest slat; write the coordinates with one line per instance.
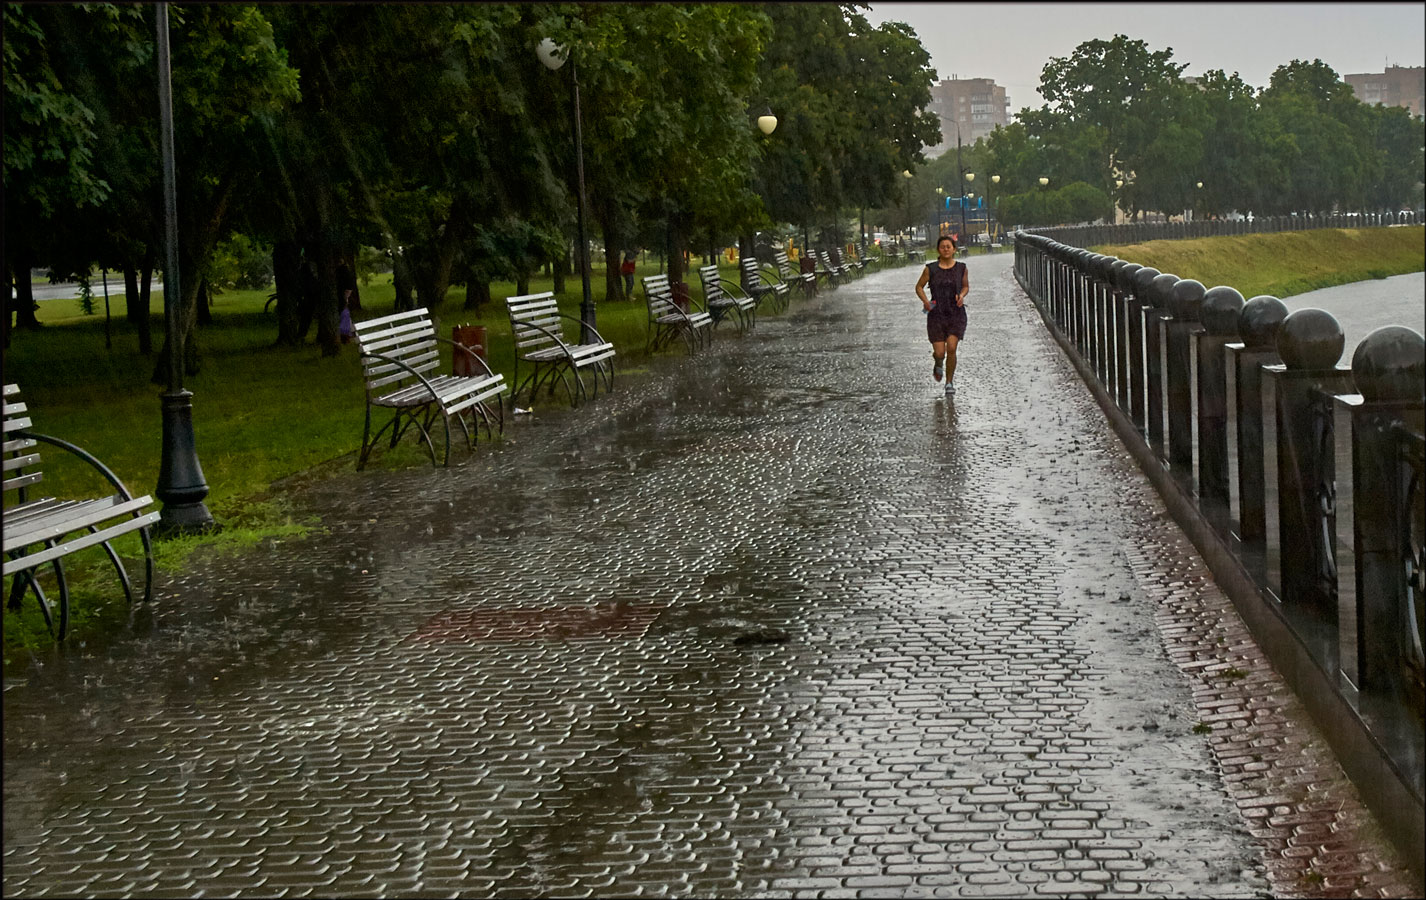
(18, 451)
(658, 293)
(529, 313)
(712, 283)
(751, 278)
(409, 337)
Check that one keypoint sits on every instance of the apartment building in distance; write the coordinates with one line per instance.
(975, 106)
(1397, 86)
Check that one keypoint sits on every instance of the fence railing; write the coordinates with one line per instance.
(1310, 472)
(1136, 232)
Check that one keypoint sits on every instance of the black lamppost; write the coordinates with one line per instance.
(554, 56)
(990, 209)
(906, 173)
(967, 177)
(180, 478)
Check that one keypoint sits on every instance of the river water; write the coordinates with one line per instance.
(1364, 306)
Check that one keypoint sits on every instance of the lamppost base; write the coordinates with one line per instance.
(181, 487)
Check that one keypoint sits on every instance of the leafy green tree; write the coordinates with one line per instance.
(1394, 172)
(1327, 153)
(49, 146)
(1119, 86)
(850, 102)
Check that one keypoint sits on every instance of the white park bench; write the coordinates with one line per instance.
(725, 300)
(668, 320)
(399, 362)
(774, 294)
(43, 531)
(541, 343)
(806, 280)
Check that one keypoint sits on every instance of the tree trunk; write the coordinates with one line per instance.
(522, 283)
(24, 294)
(195, 245)
(287, 285)
(675, 251)
(477, 293)
(306, 297)
(431, 273)
(402, 282)
(132, 311)
(326, 306)
(205, 303)
(145, 322)
(347, 280)
(559, 269)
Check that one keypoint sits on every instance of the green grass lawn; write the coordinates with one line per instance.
(1281, 265)
(260, 413)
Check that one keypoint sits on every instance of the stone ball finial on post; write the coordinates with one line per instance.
(1186, 299)
(1220, 310)
(1161, 289)
(1144, 282)
(1390, 364)
(1310, 339)
(1259, 321)
(1125, 278)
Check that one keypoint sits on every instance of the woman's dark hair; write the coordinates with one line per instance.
(946, 237)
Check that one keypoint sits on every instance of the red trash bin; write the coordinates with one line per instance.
(472, 336)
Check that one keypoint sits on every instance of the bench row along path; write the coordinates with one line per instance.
(776, 620)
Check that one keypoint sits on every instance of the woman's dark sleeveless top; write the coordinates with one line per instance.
(945, 284)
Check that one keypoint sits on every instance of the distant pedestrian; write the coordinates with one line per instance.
(345, 330)
(626, 268)
(945, 310)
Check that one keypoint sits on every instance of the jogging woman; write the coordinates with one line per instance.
(945, 311)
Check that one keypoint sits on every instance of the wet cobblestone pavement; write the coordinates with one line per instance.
(777, 621)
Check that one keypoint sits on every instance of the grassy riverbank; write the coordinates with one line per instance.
(1281, 265)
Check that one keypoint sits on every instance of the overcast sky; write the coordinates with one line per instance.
(1011, 42)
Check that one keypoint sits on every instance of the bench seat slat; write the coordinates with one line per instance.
(31, 560)
(49, 520)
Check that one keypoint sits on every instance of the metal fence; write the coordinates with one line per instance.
(1309, 471)
(1133, 233)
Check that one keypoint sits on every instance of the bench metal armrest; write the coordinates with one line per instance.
(597, 336)
(82, 454)
(725, 285)
(471, 353)
(435, 398)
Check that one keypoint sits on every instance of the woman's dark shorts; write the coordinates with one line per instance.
(942, 322)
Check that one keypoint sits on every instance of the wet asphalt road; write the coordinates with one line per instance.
(776, 621)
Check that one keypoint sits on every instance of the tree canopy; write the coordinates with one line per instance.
(433, 133)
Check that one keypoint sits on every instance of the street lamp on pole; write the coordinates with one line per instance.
(553, 56)
(968, 177)
(990, 207)
(906, 173)
(180, 477)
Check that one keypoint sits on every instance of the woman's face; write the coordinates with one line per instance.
(946, 250)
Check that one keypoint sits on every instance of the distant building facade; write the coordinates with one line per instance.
(1397, 86)
(975, 106)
